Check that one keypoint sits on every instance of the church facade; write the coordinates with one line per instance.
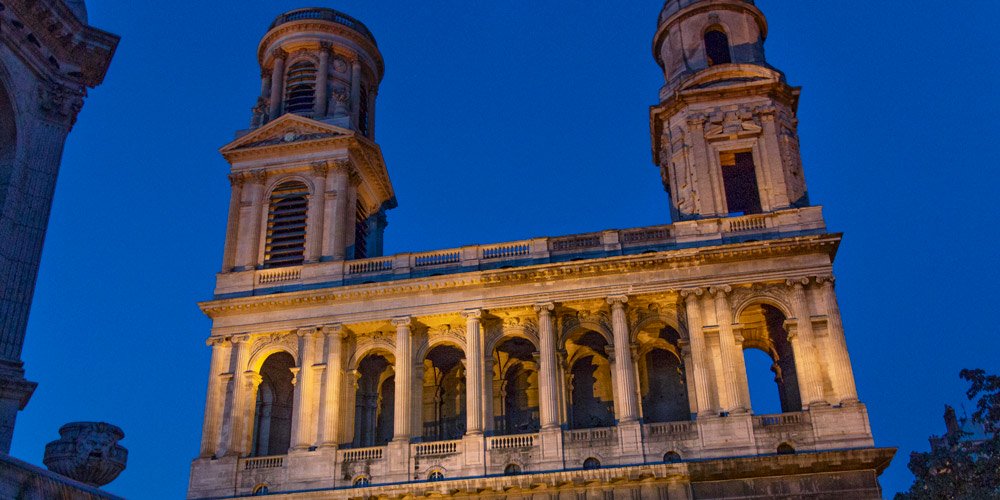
(601, 365)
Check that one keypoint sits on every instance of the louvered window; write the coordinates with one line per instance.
(363, 117)
(360, 233)
(286, 226)
(300, 87)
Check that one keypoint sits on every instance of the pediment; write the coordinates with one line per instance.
(287, 129)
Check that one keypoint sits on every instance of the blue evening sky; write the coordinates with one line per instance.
(503, 121)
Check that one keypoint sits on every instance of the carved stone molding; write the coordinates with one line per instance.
(59, 103)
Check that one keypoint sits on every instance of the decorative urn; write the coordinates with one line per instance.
(87, 452)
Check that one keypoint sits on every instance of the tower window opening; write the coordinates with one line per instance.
(739, 175)
(286, 225)
(361, 231)
(300, 87)
(717, 47)
(363, 115)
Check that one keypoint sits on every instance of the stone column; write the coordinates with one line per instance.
(624, 367)
(729, 388)
(837, 355)
(474, 375)
(214, 398)
(302, 421)
(330, 397)
(251, 212)
(315, 213)
(233, 222)
(703, 179)
(356, 93)
(404, 373)
(277, 82)
(334, 210)
(233, 437)
(696, 337)
(807, 366)
(321, 97)
(548, 379)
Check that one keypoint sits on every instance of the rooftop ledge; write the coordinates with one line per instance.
(610, 243)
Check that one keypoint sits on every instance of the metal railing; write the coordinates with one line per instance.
(323, 14)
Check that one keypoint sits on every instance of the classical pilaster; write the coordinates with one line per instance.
(404, 373)
(251, 211)
(729, 387)
(807, 366)
(838, 357)
(474, 377)
(214, 397)
(302, 421)
(277, 82)
(624, 367)
(698, 369)
(703, 179)
(356, 93)
(233, 222)
(315, 215)
(319, 106)
(330, 392)
(548, 370)
(233, 437)
(335, 204)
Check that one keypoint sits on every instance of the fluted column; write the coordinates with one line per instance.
(251, 210)
(624, 367)
(356, 93)
(321, 98)
(330, 395)
(214, 397)
(277, 82)
(335, 203)
(315, 216)
(232, 439)
(837, 354)
(404, 372)
(729, 387)
(474, 374)
(807, 366)
(548, 404)
(233, 222)
(699, 365)
(302, 399)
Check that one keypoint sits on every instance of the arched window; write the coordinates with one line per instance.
(363, 115)
(260, 490)
(373, 408)
(436, 476)
(361, 481)
(286, 225)
(672, 457)
(769, 360)
(717, 47)
(515, 388)
(272, 432)
(662, 380)
(785, 449)
(300, 87)
(591, 403)
(591, 463)
(512, 470)
(444, 394)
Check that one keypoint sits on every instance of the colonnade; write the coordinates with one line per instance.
(711, 347)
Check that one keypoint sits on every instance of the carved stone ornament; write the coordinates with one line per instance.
(732, 124)
(60, 103)
(87, 452)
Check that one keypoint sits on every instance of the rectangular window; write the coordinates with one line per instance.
(739, 175)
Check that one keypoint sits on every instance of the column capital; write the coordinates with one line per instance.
(334, 330)
(617, 301)
(826, 280)
(257, 176)
(692, 294)
(610, 351)
(307, 333)
(320, 168)
(253, 379)
(216, 341)
(325, 47)
(797, 283)
(472, 313)
(279, 54)
(240, 339)
(720, 290)
(237, 179)
(402, 321)
(545, 307)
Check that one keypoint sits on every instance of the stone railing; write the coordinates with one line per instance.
(323, 14)
(591, 436)
(527, 252)
(511, 442)
(671, 430)
(782, 420)
(361, 454)
(263, 463)
(437, 448)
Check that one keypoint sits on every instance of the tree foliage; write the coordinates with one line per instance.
(961, 464)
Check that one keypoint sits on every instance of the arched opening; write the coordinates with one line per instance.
(717, 47)
(374, 402)
(300, 87)
(444, 394)
(436, 476)
(591, 463)
(591, 396)
(8, 143)
(272, 431)
(739, 178)
(512, 470)
(286, 225)
(260, 490)
(361, 481)
(785, 449)
(672, 457)
(764, 332)
(663, 383)
(515, 388)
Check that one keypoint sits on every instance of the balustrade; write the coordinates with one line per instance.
(279, 275)
(361, 454)
(263, 463)
(436, 448)
(511, 442)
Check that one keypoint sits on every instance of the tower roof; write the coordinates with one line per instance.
(323, 14)
(672, 7)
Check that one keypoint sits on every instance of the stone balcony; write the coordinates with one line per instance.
(816, 430)
(537, 251)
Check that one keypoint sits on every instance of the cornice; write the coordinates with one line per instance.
(672, 259)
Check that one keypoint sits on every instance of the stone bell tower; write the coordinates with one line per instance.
(724, 133)
(310, 186)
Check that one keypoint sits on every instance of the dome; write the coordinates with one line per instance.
(79, 9)
(672, 7)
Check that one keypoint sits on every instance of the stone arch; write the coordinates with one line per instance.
(585, 326)
(662, 373)
(454, 337)
(526, 332)
(657, 318)
(8, 138)
(762, 297)
(275, 344)
(369, 347)
(273, 405)
(590, 393)
(513, 386)
(442, 391)
(761, 325)
(717, 44)
(374, 398)
(277, 180)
